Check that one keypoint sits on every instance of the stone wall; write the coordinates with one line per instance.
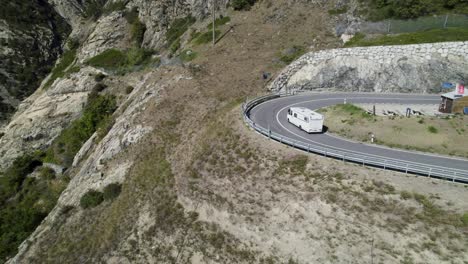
(409, 68)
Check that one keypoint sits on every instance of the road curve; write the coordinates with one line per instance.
(271, 114)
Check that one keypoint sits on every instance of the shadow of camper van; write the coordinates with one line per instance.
(306, 120)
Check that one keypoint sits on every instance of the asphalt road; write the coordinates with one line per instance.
(272, 114)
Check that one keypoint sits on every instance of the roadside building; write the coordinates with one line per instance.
(455, 101)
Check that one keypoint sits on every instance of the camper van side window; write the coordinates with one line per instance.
(295, 115)
(289, 111)
(306, 119)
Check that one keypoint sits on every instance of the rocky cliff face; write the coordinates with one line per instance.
(31, 39)
(410, 68)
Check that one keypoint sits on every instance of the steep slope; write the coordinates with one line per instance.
(174, 176)
(31, 39)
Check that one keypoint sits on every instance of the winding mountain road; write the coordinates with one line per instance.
(271, 115)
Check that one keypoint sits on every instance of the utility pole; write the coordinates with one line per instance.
(214, 18)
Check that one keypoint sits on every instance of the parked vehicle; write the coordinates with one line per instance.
(306, 119)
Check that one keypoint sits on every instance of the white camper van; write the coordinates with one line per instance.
(305, 119)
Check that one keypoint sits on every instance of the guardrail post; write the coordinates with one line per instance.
(308, 148)
(430, 171)
(325, 153)
(344, 157)
(454, 176)
(281, 139)
(407, 168)
(385, 164)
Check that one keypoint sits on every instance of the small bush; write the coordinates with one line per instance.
(432, 130)
(206, 37)
(138, 32)
(110, 58)
(405, 195)
(175, 46)
(242, 4)
(338, 11)
(47, 173)
(59, 70)
(99, 87)
(91, 199)
(219, 22)
(99, 77)
(129, 89)
(112, 190)
(115, 6)
(178, 27)
(464, 219)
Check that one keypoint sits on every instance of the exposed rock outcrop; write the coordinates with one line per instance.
(30, 43)
(410, 68)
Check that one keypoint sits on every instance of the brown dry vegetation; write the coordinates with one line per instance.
(206, 189)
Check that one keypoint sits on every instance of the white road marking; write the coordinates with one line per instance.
(351, 151)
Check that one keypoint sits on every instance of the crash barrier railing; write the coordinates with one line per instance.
(455, 175)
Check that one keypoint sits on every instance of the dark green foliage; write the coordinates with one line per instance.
(178, 27)
(464, 219)
(111, 58)
(406, 9)
(432, 130)
(242, 4)
(91, 199)
(206, 37)
(99, 87)
(96, 115)
(99, 77)
(129, 89)
(94, 9)
(429, 36)
(112, 191)
(338, 11)
(59, 70)
(138, 32)
(29, 66)
(115, 6)
(24, 202)
(219, 22)
(175, 46)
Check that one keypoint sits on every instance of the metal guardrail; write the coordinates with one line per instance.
(455, 175)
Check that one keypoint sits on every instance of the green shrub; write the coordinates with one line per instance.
(138, 32)
(206, 37)
(112, 190)
(91, 199)
(47, 173)
(99, 87)
(338, 11)
(219, 22)
(429, 36)
(59, 70)
(129, 89)
(432, 129)
(115, 6)
(178, 27)
(96, 115)
(242, 4)
(405, 195)
(111, 58)
(175, 46)
(99, 77)
(94, 9)
(464, 219)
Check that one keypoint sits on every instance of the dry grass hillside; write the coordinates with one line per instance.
(206, 189)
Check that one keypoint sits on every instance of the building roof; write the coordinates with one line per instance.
(307, 112)
(454, 94)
